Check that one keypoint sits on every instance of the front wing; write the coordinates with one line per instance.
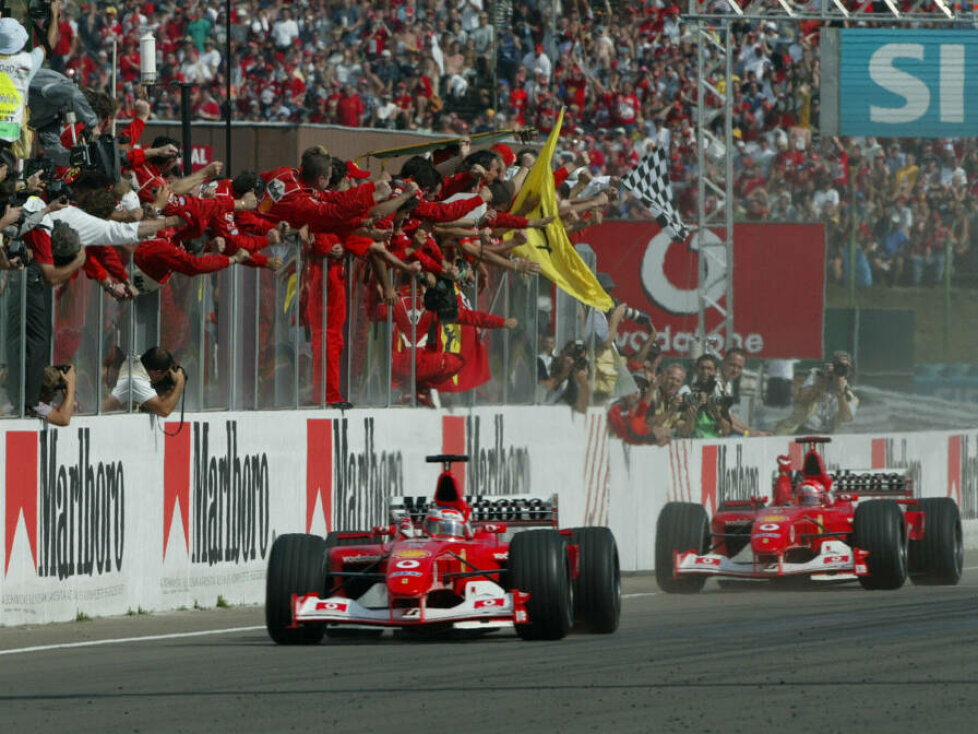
(502, 610)
(834, 558)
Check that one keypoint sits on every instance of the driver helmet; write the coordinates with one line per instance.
(810, 494)
(445, 522)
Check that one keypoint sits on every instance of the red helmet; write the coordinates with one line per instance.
(810, 493)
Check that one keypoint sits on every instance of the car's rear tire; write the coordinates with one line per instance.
(682, 526)
(597, 588)
(878, 527)
(938, 557)
(539, 565)
(295, 566)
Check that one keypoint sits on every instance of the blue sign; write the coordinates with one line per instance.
(908, 83)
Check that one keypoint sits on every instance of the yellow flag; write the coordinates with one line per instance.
(551, 247)
(290, 290)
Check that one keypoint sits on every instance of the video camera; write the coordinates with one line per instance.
(54, 187)
(99, 159)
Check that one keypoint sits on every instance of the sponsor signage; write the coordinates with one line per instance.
(778, 285)
(200, 156)
(908, 82)
(224, 495)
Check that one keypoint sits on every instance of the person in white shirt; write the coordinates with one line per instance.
(154, 381)
(285, 30)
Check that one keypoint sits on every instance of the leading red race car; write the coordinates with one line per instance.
(819, 525)
(447, 565)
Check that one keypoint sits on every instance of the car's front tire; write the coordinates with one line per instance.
(682, 526)
(539, 565)
(295, 566)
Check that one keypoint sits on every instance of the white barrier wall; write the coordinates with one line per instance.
(123, 512)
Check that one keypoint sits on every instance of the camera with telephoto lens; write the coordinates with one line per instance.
(840, 369)
(167, 383)
(633, 314)
(578, 352)
(440, 299)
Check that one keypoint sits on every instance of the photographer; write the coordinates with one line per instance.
(824, 401)
(56, 402)
(568, 381)
(156, 383)
(603, 329)
(706, 408)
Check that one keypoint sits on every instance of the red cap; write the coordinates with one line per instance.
(354, 171)
(504, 150)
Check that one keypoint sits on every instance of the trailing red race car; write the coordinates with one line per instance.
(865, 523)
(447, 565)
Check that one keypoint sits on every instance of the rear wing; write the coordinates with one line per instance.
(868, 482)
(514, 509)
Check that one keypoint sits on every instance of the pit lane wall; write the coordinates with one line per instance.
(124, 513)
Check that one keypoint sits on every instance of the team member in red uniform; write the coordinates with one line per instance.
(415, 326)
(162, 168)
(159, 258)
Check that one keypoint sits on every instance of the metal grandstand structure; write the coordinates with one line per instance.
(711, 23)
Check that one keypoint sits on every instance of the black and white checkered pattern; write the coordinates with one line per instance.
(649, 181)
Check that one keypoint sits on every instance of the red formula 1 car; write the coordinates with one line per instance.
(863, 523)
(454, 563)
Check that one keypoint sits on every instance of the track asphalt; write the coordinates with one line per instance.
(744, 658)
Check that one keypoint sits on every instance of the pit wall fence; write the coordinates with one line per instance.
(125, 513)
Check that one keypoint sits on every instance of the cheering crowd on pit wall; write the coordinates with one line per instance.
(625, 71)
(432, 226)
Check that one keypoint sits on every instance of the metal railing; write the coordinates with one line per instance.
(251, 339)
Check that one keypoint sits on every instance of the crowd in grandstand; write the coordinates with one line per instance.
(625, 71)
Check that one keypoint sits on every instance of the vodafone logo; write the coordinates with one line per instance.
(484, 603)
(658, 263)
(703, 561)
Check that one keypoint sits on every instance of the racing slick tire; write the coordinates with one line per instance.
(937, 558)
(539, 565)
(878, 527)
(682, 526)
(597, 588)
(295, 566)
(352, 590)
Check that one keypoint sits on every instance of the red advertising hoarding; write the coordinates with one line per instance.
(778, 285)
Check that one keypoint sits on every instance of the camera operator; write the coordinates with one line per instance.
(56, 402)
(568, 381)
(157, 383)
(824, 401)
(706, 408)
(18, 67)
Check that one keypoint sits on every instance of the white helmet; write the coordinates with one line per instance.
(445, 522)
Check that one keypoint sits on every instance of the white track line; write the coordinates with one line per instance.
(632, 596)
(121, 640)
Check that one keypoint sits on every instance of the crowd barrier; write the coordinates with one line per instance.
(124, 513)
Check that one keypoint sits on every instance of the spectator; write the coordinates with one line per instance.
(731, 373)
(154, 381)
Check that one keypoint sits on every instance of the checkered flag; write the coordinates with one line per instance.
(649, 181)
